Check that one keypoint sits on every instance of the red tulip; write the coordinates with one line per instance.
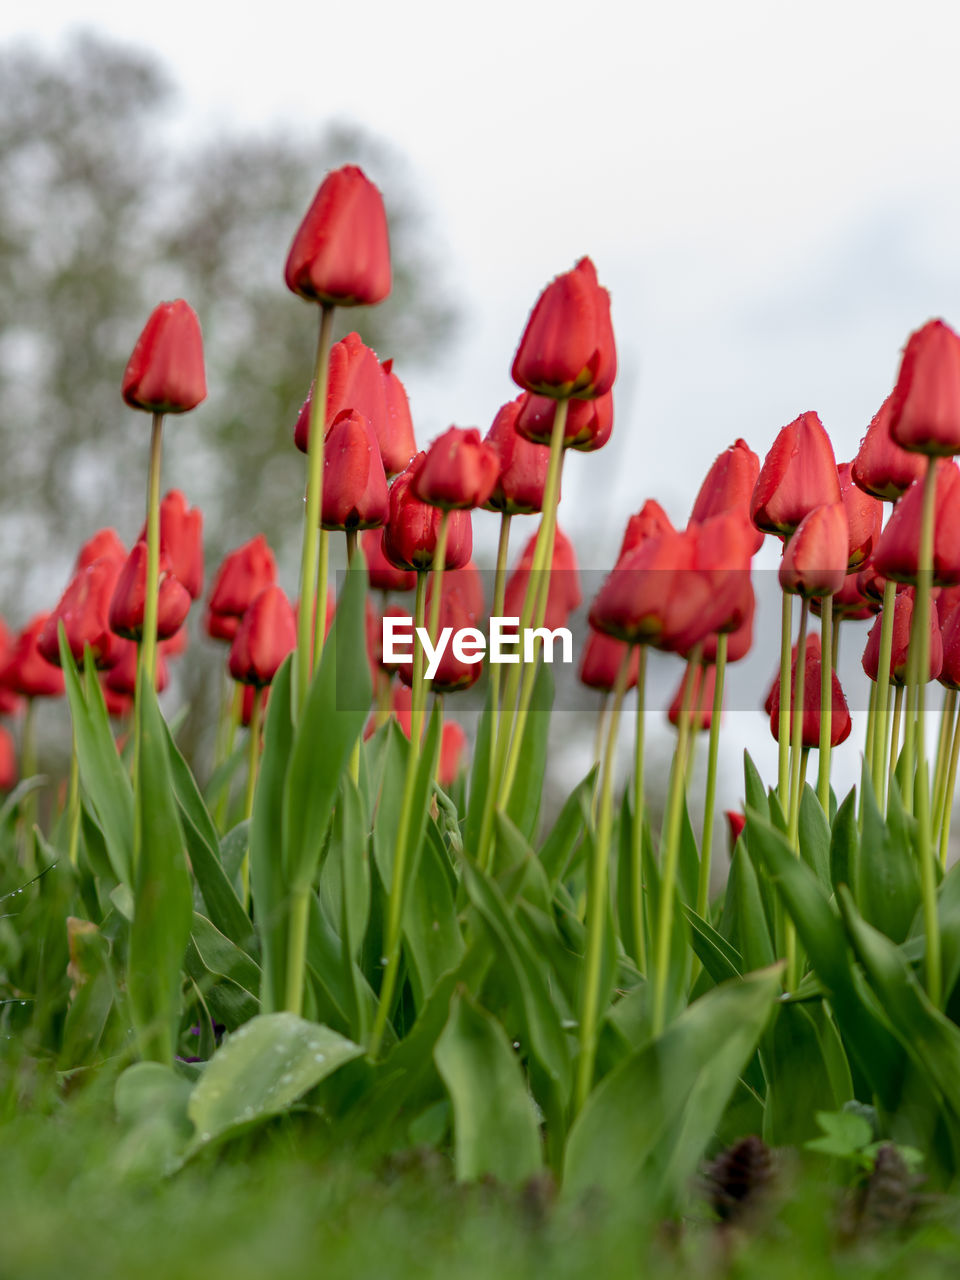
(105, 544)
(949, 615)
(119, 705)
(735, 824)
(740, 640)
(383, 575)
(458, 472)
(601, 660)
(467, 583)
(813, 651)
(523, 466)
(897, 550)
(181, 540)
(246, 706)
(718, 591)
(453, 742)
(650, 521)
(798, 474)
(129, 598)
(563, 589)
(588, 427)
(391, 611)
(267, 633)
(701, 698)
(840, 723)
(729, 485)
(410, 535)
(25, 671)
(925, 404)
(355, 494)
(453, 673)
(221, 626)
(10, 701)
(122, 676)
(864, 518)
(567, 348)
(815, 558)
(397, 443)
(340, 255)
(881, 467)
(84, 611)
(850, 604)
(870, 583)
(8, 761)
(165, 373)
(241, 577)
(902, 625)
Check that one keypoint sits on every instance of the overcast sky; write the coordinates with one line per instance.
(769, 190)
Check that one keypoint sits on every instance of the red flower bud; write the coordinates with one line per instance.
(864, 518)
(898, 548)
(397, 443)
(355, 494)
(523, 466)
(165, 373)
(242, 576)
(129, 598)
(601, 659)
(567, 348)
(588, 427)
(84, 611)
(105, 544)
(949, 615)
(383, 575)
(181, 540)
(701, 698)
(222, 626)
(925, 404)
(410, 535)
(10, 701)
(798, 474)
(457, 611)
(563, 591)
(267, 633)
(740, 640)
(175, 645)
(341, 252)
(813, 651)
(8, 761)
(467, 583)
(650, 521)
(815, 558)
(840, 723)
(728, 485)
(902, 626)
(122, 676)
(25, 671)
(849, 603)
(881, 467)
(735, 824)
(453, 742)
(246, 706)
(391, 611)
(458, 471)
(870, 583)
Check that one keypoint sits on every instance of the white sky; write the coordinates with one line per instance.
(769, 189)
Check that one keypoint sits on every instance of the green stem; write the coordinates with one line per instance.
(883, 681)
(148, 647)
(313, 507)
(28, 769)
(417, 693)
(499, 595)
(253, 762)
(796, 727)
(639, 810)
(436, 586)
(948, 792)
(873, 706)
(709, 801)
(351, 536)
(947, 713)
(236, 715)
(320, 607)
(73, 804)
(895, 735)
(671, 853)
(297, 947)
(783, 735)
(826, 703)
(598, 900)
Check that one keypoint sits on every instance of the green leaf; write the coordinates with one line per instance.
(814, 836)
(390, 800)
(151, 1104)
(479, 776)
(754, 790)
(431, 931)
(262, 1070)
(888, 889)
(163, 896)
(645, 1127)
(523, 807)
(805, 1069)
(845, 1133)
(495, 1124)
(845, 842)
(718, 957)
(557, 849)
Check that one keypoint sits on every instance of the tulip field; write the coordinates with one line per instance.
(350, 996)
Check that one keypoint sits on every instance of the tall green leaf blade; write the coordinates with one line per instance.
(557, 849)
(523, 807)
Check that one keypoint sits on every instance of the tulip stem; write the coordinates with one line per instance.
(895, 735)
(946, 813)
(670, 851)
(297, 947)
(499, 595)
(313, 508)
(796, 724)
(351, 537)
(873, 706)
(439, 564)
(253, 763)
(73, 804)
(710, 796)
(148, 647)
(236, 715)
(948, 721)
(319, 622)
(28, 769)
(883, 683)
(783, 732)
(395, 901)
(826, 703)
(639, 808)
(920, 638)
(598, 899)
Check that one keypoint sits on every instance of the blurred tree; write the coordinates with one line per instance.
(107, 205)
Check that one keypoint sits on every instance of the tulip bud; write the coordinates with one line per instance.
(925, 404)
(221, 626)
(728, 485)
(949, 615)
(246, 706)
(461, 606)
(241, 577)
(176, 645)
(881, 467)
(267, 633)
(650, 521)
(717, 594)
(392, 611)
(165, 373)
(735, 824)
(355, 494)
(105, 544)
(122, 676)
(567, 348)
(84, 611)
(864, 518)
(563, 588)
(815, 558)
(383, 575)
(588, 427)
(181, 540)
(340, 255)
(898, 548)
(840, 723)
(397, 443)
(849, 603)
(636, 603)
(453, 742)
(740, 640)
(813, 651)
(870, 583)
(701, 698)
(601, 660)
(10, 701)
(129, 596)
(458, 471)
(902, 626)
(410, 535)
(25, 671)
(8, 761)
(798, 474)
(523, 466)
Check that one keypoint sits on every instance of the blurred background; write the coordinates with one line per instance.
(770, 192)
